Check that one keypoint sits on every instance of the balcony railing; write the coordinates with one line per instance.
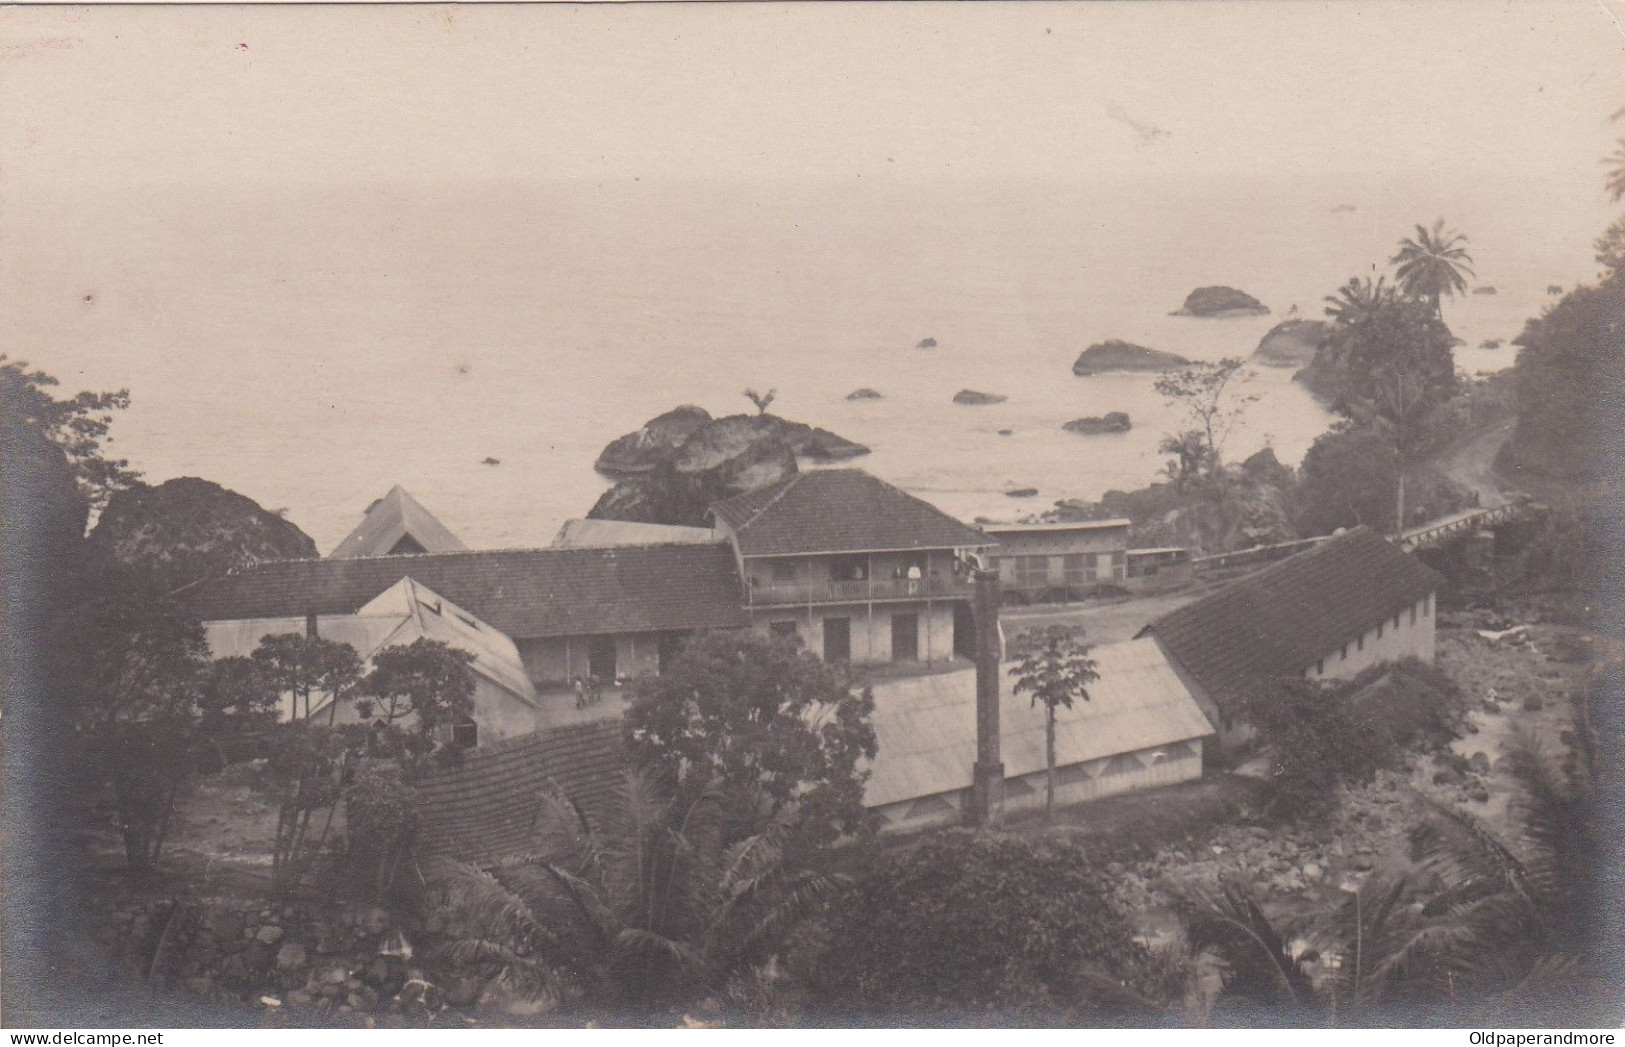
(776, 594)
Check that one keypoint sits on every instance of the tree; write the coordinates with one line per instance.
(1347, 478)
(1570, 363)
(984, 928)
(1610, 248)
(1432, 264)
(1206, 394)
(426, 681)
(649, 908)
(307, 767)
(1616, 168)
(771, 725)
(762, 400)
(79, 425)
(308, 667)
(1053, 665)
(1392, 360)
(139, 665)
(1189, 457)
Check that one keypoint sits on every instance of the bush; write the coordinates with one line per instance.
(1324, 735)
(967, 928)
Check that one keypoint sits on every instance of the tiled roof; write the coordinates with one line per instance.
(839, 510)
(524, 593)
(1284, 618)
(395, 516)
(488, 805)
(926, 726)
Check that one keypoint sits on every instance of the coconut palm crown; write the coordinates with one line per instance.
(1433, 264)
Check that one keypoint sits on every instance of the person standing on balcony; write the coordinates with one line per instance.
(913, 578)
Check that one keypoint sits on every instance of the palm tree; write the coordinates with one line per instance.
(762, 400)
(1482, 927)
(639, 911)
(1431, 265)
(1359, 299)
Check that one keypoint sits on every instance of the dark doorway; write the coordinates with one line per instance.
(964, 631)
(905, 637)
(601, 657)
(667, 648)
(837, 639)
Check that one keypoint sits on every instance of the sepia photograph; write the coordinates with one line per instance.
(710, 515)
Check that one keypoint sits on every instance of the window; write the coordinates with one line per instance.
(1320, 667)
(784, 570)
(783, 629)
(1032, 570)
(848, 568)
(1359, 645)
(1427, 605)
(1343, 655)
(1077, 568)
(465, 733)
(1413, 615)
(1379, 630)
(1396, 621)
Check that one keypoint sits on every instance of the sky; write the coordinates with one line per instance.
(226, 95)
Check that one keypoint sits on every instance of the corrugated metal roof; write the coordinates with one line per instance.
(525, 593)
(401, 614)
(601, 534)
(1283, 618)
(926, 726)
(395, 516)
(836, 511)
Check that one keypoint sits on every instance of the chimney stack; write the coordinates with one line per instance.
(987, 780)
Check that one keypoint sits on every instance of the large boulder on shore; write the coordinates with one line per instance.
(972, 398)
(1111, 422)
(719, 459)
(1291, 343)
(864, 394)
(1117, 355)
(187, 529)
(641, 451)
(1220, 301)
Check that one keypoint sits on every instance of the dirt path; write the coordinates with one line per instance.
(1471, 463)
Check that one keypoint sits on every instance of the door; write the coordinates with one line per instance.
(601, 657)
(837, 639)
(905, 637)
(1103, 567)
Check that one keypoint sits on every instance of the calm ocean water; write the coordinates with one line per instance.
(310, 350)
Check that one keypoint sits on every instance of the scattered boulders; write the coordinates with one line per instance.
(972, 398)
(1114, 354)
(864, 394)
(1022, 492)
(1220, 302)
(1111, 422)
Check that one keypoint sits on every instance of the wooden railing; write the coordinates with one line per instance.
(779, 594)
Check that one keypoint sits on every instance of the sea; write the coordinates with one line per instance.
(479, 344)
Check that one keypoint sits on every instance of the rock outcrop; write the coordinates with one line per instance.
(927, 343)
(718, 459)
(1291, 343)
(1116, 355)
(1220, 301)
(1111, 422)
(972, 398)
(864, 394)
(187, 529)
(642, 451)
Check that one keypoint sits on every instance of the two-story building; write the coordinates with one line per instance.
(859, 570)
(1054, 562)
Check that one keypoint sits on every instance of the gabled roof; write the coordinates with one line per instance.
(601, 534)
(525, 593)
(925, 726)
(488, 805)
(1282, 619)
(395, 518)
(839, 511)
(404, 612)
